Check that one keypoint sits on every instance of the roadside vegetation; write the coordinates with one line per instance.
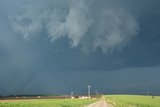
(133, 100)
(46, 103)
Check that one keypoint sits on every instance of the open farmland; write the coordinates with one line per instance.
(133, 101)
(46, 103)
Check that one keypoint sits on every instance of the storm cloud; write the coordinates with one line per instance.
(108, 29)
(45, 44)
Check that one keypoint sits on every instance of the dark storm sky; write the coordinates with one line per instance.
(59, 46)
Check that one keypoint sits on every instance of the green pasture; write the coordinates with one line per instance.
(133, 100)
(47, 103)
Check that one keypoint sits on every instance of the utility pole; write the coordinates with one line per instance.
(147, 93)
(96, 92)
(72, 95)
(89, 91)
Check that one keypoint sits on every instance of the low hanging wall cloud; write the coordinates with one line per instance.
(85, 24)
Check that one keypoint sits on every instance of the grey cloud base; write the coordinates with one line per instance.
(108, 28)
(46, 44)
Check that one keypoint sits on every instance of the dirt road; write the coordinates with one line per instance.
(100, 103)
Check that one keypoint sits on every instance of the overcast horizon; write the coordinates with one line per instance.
(59, 46)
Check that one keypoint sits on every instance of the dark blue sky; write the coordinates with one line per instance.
(59, 46)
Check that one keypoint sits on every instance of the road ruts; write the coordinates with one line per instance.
(100, 103)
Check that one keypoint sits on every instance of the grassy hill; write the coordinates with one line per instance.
(133, 100)
(46, 103)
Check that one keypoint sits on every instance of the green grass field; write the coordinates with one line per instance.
(47, 103)
(133, 101)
